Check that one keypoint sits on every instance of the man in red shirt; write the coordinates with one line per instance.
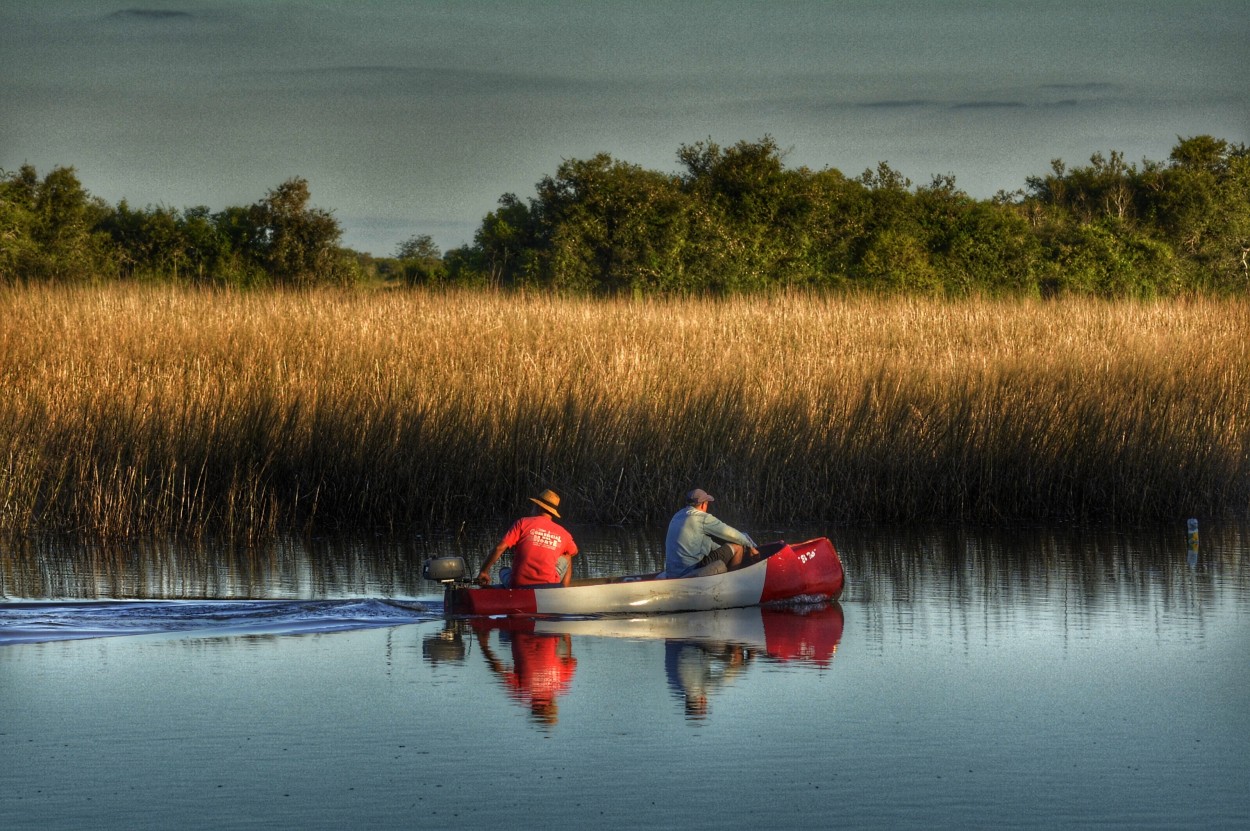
(541, 549)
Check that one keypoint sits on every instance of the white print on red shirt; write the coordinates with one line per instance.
(544, 539)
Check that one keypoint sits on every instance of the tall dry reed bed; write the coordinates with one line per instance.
(133, 410)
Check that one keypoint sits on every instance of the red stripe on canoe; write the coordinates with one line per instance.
(496, 602)
(810, 569)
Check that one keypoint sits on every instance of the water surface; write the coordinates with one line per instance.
(1035, 679)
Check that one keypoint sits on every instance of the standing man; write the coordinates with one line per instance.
(542, 550)
(696, 538)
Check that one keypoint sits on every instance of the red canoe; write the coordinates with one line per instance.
(808, 572)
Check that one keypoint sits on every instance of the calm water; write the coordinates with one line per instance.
(1038, 679)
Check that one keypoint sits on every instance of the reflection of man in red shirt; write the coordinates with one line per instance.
(541, 549)
(542, 670)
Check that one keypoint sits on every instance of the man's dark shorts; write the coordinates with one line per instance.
(724, 554)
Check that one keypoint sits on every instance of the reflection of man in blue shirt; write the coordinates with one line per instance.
(696, 539)
(696, 669)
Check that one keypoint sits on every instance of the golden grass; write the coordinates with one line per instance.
(136, 410)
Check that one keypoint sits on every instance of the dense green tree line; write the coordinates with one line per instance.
(731, 219)
(53, 230)
(735, 218)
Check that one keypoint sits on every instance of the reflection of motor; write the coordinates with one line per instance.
(448, 644)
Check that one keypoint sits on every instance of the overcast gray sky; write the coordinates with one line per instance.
(413, 117)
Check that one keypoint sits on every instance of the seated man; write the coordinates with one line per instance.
(696, 539)
(542, 549)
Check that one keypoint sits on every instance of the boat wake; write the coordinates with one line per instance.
(38, 622)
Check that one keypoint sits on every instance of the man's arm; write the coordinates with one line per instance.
(483, 576)
(713, 527)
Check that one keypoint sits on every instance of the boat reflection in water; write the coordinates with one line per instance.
(697, 667)
(703, 651)
(535, 667)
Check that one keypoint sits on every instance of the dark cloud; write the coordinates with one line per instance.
(904, 104)
(150, 14)
(442, 87)
(1089, 86)
(441, 78)
(898, 104)
(988, 105)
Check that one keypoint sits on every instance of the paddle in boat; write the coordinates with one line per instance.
(807, 572)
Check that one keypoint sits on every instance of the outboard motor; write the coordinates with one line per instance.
(450, 572)
(444, 569)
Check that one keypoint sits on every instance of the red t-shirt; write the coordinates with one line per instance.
(536, 543)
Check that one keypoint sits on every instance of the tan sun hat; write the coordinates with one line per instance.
(548, 500)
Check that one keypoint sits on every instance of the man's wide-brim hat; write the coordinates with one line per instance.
(549, 501)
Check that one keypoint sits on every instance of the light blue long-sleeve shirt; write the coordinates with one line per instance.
(692, 534)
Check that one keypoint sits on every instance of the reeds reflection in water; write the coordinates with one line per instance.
(1077, 575)
(1084, 569)
(283, 568)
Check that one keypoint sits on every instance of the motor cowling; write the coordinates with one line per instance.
(444, 569)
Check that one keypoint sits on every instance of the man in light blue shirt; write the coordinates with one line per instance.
(696, 539)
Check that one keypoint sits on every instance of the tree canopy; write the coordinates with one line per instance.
(737, 219)
(54, 230)
(729, 219)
